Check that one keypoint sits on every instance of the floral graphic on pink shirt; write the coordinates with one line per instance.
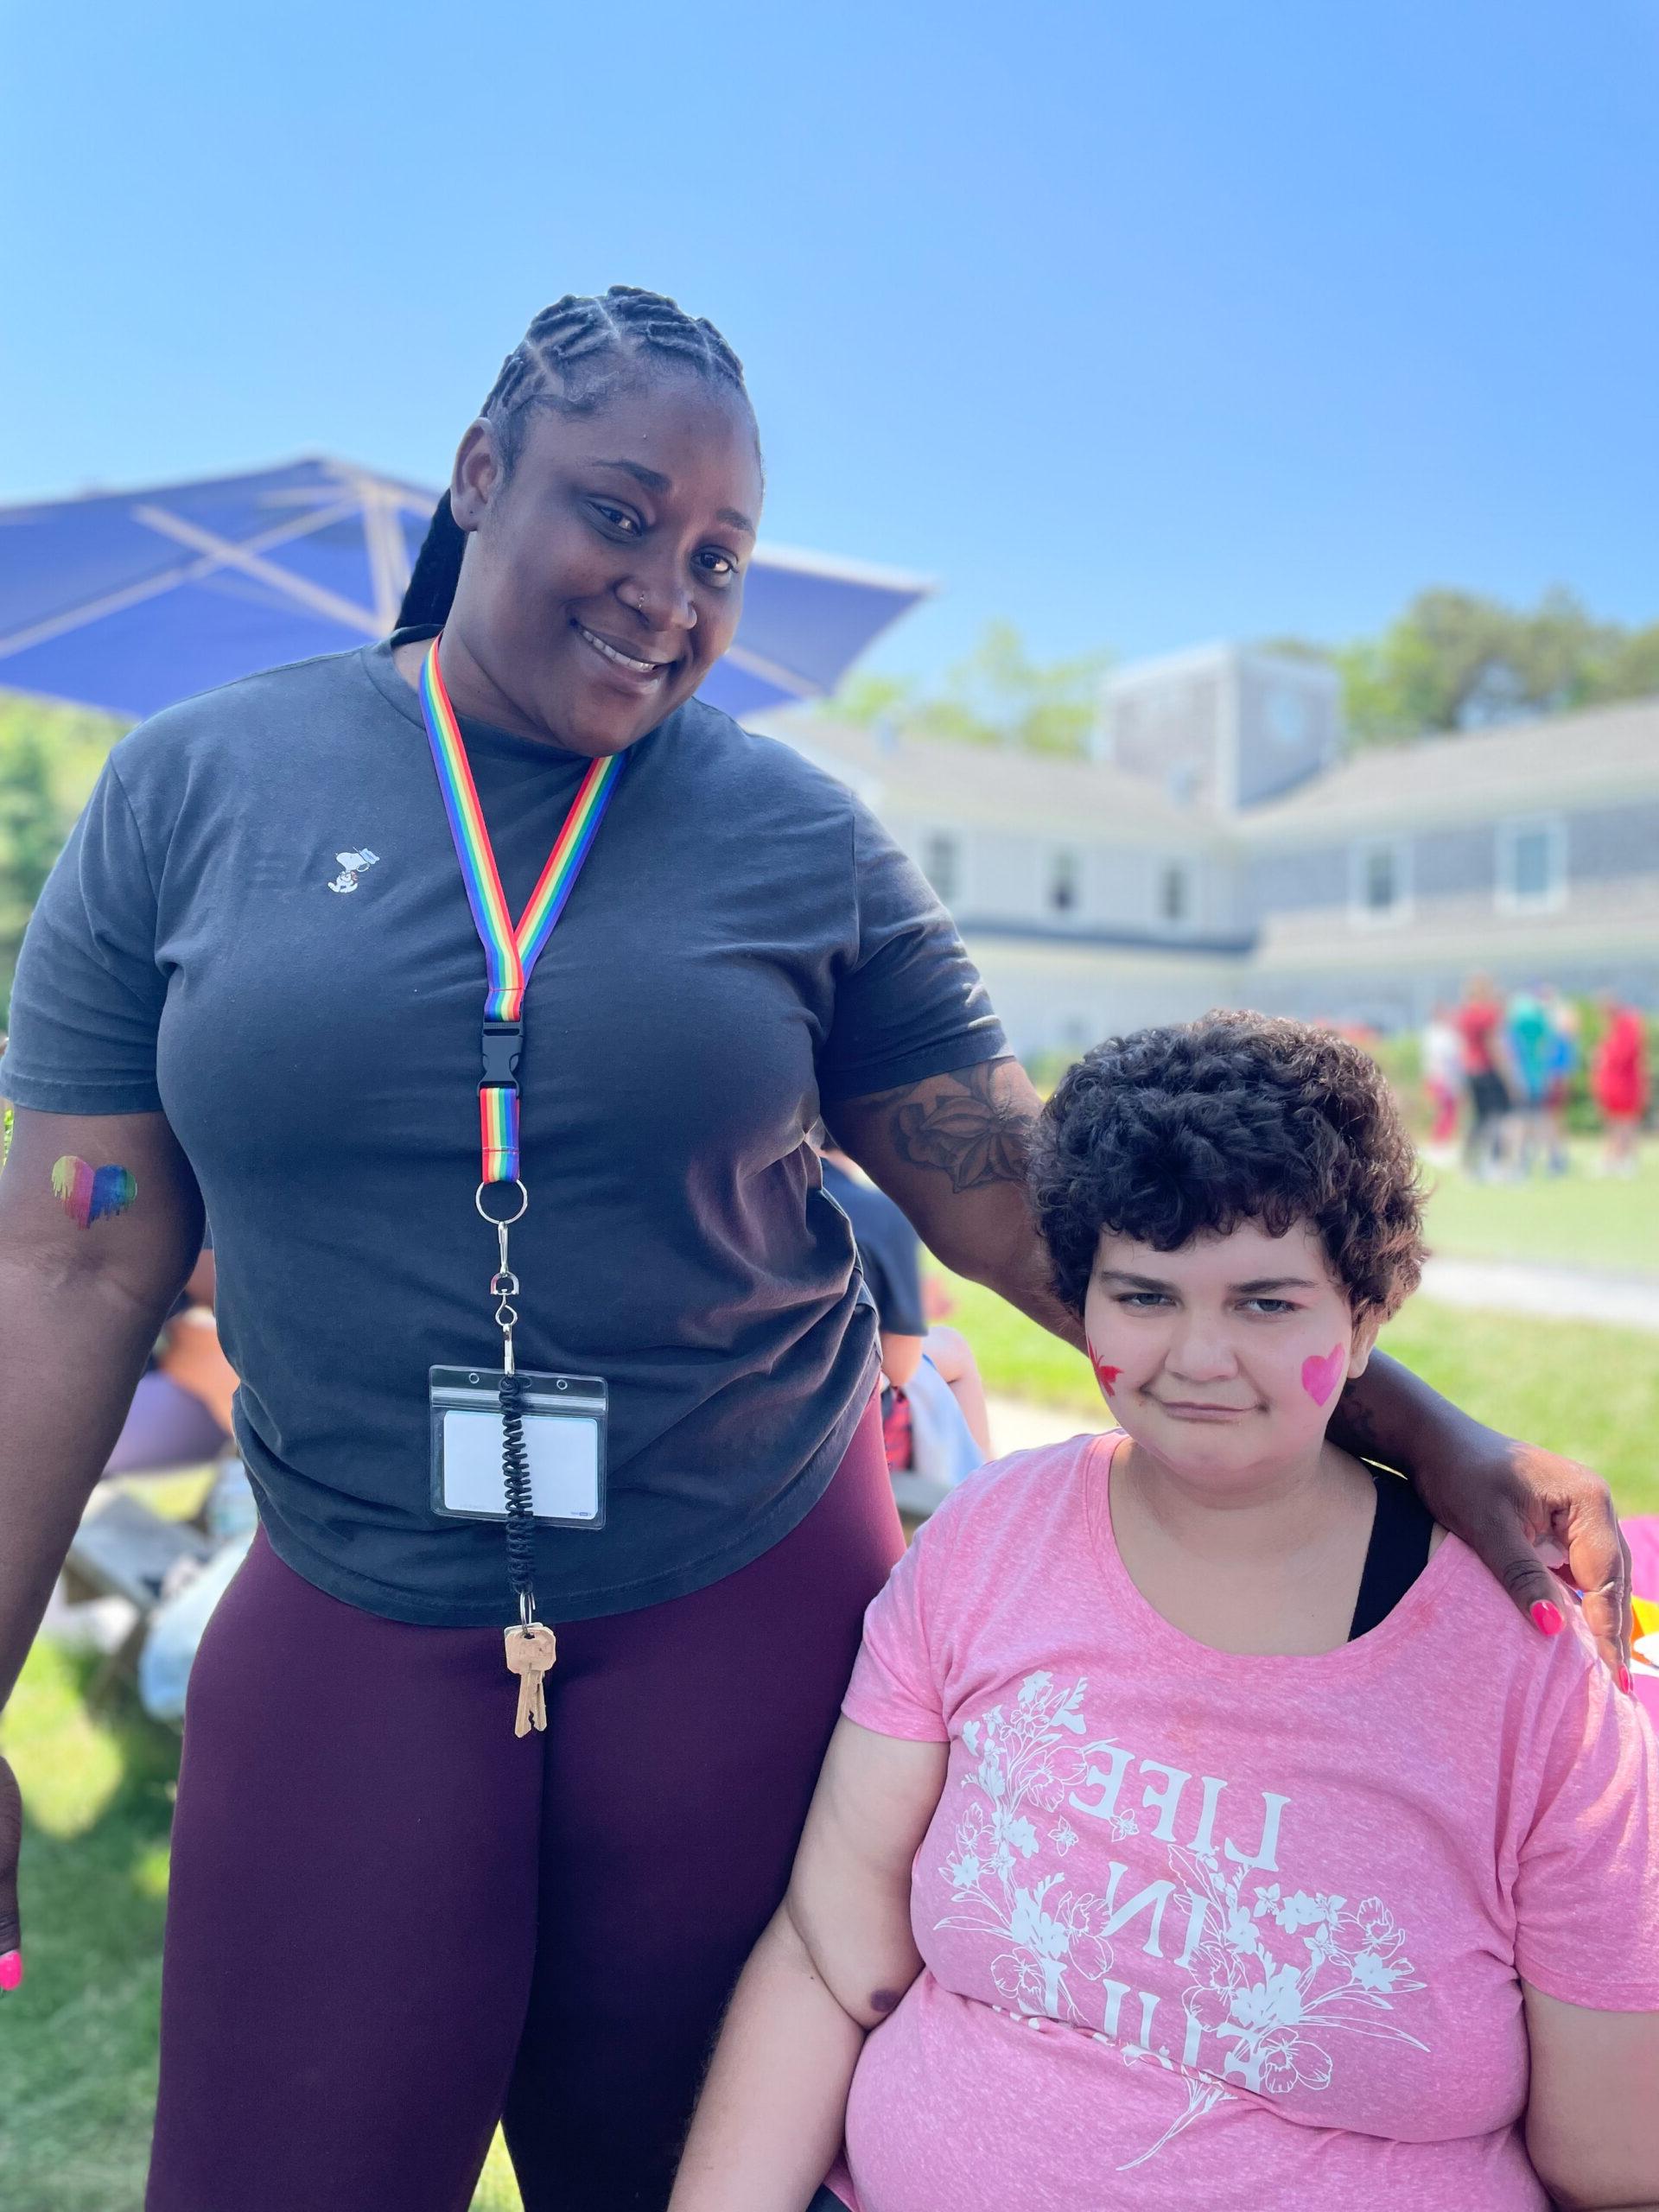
(1344, 1967)
(1277, 1971)
(1030, 1758)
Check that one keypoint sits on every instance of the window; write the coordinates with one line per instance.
(1064, 883)
(941, 864)
(1174, 893)
(1381, 882)
(1531, 867)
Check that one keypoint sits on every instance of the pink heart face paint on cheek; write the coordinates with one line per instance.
(1321, 1376)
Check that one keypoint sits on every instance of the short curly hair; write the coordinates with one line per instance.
(1166, 1133)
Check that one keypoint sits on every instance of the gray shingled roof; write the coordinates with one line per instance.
(1602, 752)
(1009, 790)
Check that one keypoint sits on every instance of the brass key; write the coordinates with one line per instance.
(530, 1652)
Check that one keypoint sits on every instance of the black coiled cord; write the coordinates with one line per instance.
(515, 1470)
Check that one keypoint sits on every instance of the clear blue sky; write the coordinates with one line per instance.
(1137, 323)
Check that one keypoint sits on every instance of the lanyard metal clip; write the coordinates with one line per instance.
(503, 1042)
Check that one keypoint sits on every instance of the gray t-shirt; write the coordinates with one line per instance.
(745, 944)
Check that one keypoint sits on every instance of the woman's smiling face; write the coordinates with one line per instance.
(1227, 1356)
(603, 577)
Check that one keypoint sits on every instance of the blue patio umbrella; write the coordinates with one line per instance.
(129, 600)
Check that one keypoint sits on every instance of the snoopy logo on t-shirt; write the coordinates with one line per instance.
(351, 866)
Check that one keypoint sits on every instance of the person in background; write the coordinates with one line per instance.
(890, 1255)
(1480, 1024)
(949, 1352)
(1619, 1083)
(1564, 1065)
(1531, 1047)
(1443, 1081)
(934, 1421)
(181, 1412)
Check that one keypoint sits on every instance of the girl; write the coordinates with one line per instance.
(1171, 1850)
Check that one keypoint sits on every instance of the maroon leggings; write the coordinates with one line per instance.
(391, 1923)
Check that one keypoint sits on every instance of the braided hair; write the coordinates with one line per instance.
(571, 358)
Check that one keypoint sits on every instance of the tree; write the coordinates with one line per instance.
(31, 831)
(996, 696)
(1455, 660)
(49, 758)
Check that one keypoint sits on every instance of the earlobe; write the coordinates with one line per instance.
(476, 476)
(1364, 1343)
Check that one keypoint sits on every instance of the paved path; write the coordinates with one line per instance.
(1558, 1293)
(1017, 1426)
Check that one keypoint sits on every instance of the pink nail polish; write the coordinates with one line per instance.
(1624, 1680)
(1546, 1618)
(11, 1970)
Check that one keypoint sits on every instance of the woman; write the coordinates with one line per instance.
(1618, 1083)
(1171, 1847)
(391, 1918)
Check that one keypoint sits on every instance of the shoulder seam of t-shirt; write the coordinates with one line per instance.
(240, 683)
(261, 674)
(120, 781)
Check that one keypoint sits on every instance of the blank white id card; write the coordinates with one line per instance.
(564, 1436)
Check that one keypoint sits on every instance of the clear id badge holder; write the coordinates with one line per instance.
(563, 1419)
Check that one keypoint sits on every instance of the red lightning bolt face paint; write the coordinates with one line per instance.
(1105, 1376)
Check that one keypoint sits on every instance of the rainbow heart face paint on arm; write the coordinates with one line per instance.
(1321, 1377)
(89, 1194)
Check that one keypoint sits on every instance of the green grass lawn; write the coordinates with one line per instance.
(1579, 1220)
(78, 2043)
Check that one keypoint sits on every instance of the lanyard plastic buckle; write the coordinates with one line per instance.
(503, 1043)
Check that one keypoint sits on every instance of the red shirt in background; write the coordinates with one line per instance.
(1619, 1078)
(1477, 1025)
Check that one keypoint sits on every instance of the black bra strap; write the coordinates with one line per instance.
(1397, 1553)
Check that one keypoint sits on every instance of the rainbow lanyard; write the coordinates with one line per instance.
(509, 954)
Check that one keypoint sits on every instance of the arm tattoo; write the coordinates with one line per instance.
(89, 1194)
(964, 1128)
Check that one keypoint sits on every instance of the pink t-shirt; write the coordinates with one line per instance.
(1200, 1928)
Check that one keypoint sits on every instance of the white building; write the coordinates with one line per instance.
(1219, 849)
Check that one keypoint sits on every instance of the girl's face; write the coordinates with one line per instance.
(1226, 1359)
(604, 575)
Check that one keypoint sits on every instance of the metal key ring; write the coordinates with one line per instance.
(502, 1221)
